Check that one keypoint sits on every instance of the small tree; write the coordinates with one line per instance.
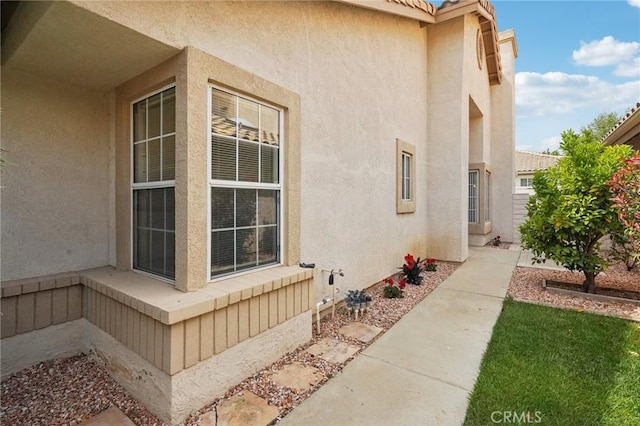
(625, 187)
(572, 209)
(601, 125)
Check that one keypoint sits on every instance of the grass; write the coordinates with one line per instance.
(558, 367)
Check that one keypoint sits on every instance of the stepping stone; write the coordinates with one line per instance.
(333, 350)
(208, 418)
(246, 409)
(297, 376)
(360, 331)
(112, 416)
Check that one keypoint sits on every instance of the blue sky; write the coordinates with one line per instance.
(576, 59)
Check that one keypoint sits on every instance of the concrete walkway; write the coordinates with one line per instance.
(421, 371)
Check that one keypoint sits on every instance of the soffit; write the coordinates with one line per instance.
(626, 131)
(417, 9)
(64, 42)
(486, 14)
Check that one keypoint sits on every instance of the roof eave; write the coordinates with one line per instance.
(414, 9)
(485, 12)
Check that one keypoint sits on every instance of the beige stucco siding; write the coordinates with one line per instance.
(55, 183)
(448, 156)
(359, 89)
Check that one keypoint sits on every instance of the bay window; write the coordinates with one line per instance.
(244, 183)
(153, 183)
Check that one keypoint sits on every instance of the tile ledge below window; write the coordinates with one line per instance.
(164, 303)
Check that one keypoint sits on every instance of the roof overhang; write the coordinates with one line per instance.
(64, 42)
(485, 12)
(415, 9)
(627, 131)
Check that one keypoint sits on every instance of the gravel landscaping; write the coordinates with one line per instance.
(69, 391)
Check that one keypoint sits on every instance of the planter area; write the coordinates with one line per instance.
(602, 293)
(72, 390)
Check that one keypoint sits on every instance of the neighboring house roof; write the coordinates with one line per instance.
(627, 130)
(532, 161)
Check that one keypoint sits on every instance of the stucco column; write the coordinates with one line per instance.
(191, 174)
(447, 144)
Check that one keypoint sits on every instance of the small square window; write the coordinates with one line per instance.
(406, 179)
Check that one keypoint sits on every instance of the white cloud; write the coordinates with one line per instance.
(605, 52)
(560, 93)
(628, 69)
(635, 3)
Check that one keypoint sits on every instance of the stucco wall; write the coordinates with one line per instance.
(55, 182)
(361, 77)
(448, 155)
(503, 146)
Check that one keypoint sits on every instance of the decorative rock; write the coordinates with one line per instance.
(208, 418)
(297, 376)
(246, 409)
(333, 350)
(112, 416)
(360, 331)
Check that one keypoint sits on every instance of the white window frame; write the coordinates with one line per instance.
(528, 182)
(248, 185)
(473, 198)
(487, 196)
(405, 177)
(145, 185)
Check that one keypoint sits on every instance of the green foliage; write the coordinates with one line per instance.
(572, 209)
(393, 292)
(601, 125)
(550, 152)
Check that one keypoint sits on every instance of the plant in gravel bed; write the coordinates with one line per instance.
(391, 291)
(412, 269)
(572, 209)
(430, 265)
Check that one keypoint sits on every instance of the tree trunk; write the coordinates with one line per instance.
(589, 285)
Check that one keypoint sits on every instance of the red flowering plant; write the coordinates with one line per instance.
(430, 265)
(411, 270)
(625, 187)
(393, 291)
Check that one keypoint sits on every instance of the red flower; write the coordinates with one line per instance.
(429, 261)
(409, 260)
(402, 283)
(389, 281)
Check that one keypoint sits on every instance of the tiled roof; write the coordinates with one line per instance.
(228, 127)
(532, 161)
(632, 111)
(417, 4)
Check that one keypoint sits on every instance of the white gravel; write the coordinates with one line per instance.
(69, 391)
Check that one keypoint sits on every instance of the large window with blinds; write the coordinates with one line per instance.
(153, 133)
(245, 183)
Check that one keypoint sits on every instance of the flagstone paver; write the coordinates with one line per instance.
(112, 416)
(363, 332)
(333, 350)
(297, 376)
(245, 409)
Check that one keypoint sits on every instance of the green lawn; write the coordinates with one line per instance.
(558, 367)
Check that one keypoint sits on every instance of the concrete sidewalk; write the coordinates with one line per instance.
(421, 371)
